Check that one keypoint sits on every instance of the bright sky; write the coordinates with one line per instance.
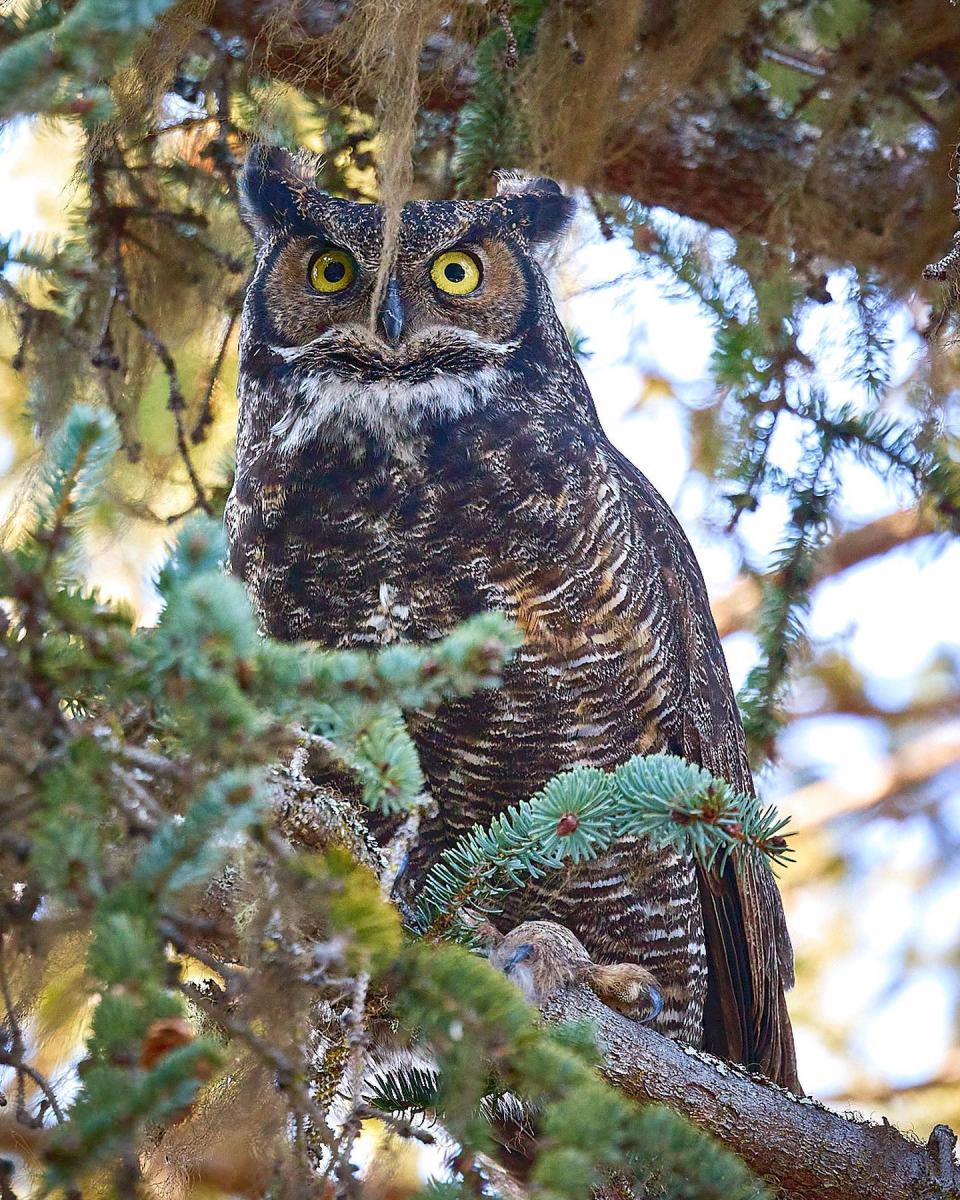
(891, 615)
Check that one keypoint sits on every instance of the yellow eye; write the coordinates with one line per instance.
(456, 272)
(331, 271)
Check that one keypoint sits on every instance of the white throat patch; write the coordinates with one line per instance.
(332, 406)
(327, 406)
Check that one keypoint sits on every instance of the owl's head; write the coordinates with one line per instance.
(464, 300)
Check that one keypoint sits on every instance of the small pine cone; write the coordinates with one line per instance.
(164, 1035)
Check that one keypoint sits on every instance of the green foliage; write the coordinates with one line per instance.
(115, 1102)
(355, 910)
(678, 1168)
(139, 764)
(765, 381)
(491, 132)
(406, 1091)
(63, 46)
(835, 20)
(577, 815)
(127, 856)
(74, 469)
(146, 792)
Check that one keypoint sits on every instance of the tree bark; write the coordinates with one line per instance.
(755, 172)
(805, 1150)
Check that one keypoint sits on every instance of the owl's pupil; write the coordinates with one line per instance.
(333, 272)
(454, 272)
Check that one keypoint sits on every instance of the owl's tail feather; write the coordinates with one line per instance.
(749, 967)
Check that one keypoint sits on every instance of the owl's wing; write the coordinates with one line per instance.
(749, 956)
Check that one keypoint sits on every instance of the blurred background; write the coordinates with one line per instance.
(864, 752)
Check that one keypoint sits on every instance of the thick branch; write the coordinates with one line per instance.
(736, 166)
(756, 172)
(737, 608)
(287, 38)
(805, 1150)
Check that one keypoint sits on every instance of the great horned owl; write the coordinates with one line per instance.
(395, 479)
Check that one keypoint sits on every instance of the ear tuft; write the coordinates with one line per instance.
(543, 211)
(513, 182)
(271, 185)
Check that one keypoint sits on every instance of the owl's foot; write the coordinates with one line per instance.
(627, 987)
(541, 957)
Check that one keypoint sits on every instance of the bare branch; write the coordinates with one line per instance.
(737, 608)
(947, 1076)
(805, 1150)
(915, 763)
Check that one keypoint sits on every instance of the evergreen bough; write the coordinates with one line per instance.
(579, 813)
(140, 766)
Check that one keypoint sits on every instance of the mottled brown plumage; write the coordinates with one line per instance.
(393, 481)
(542, 957)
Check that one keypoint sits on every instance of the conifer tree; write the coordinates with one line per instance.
(202, 953)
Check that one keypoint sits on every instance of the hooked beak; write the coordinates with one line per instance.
(391, 312)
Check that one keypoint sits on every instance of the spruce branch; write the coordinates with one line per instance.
(737, 608)
(922, 451)
(576, 816)
(780, 626)
(491, 133)
(52, 60)
(72, 475)
(406, 1090)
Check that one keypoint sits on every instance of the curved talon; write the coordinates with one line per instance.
(656, 1005)
(627, 988)
(521, 954)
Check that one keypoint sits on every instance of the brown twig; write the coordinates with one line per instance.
(501, 12)
(26, 315)
(402, 1127)
(402, 843)
(14, 1055)
(603, 218)
(288, 1074)
(737, 608)
(176, 404)
(109, 224)
(205, 416)
(358, 1041)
